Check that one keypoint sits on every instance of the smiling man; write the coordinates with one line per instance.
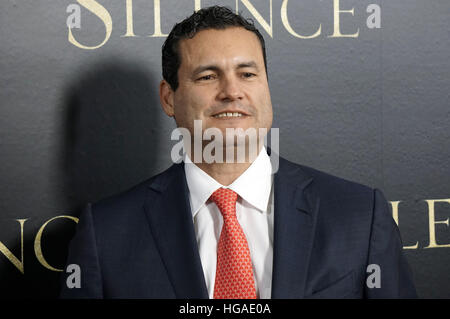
(221, 81)
(230, 229)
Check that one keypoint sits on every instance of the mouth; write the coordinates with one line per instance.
(229, 114)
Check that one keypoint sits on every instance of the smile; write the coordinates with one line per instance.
(228, 114)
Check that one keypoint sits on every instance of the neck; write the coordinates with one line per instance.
(224, 173)
(227, 173)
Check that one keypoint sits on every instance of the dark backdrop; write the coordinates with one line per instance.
(78, 124)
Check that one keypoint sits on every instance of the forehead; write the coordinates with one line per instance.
(233, 44)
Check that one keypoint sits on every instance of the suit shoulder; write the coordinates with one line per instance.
(132, 198)
(344, 201)
(332, 185)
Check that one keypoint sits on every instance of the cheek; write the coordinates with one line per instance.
(265, 108)
(196, 102)
(263, 99)
(189, 107)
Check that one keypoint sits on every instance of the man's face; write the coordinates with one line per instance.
(222, 72)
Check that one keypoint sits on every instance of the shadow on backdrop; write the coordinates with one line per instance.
(109, 144)
(111, 140)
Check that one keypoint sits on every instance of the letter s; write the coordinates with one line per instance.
(103, 15)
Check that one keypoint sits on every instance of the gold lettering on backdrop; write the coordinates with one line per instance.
(37, 242)
(394, 205)
(432, 222)
(287, 25)
(16, 262)
(266, 26)
(157, 15)
(197, 5)
(337, 14)
(102, 14)
(129, 10)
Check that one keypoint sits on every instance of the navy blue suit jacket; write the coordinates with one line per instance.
(141, 243)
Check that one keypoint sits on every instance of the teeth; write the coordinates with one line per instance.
(228, 114)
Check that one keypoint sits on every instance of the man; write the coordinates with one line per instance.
(222, 229)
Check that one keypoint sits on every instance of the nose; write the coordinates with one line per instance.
(230, 89)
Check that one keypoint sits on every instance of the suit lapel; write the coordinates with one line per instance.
(296, 207)
(168, 212)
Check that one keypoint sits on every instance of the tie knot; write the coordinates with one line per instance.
(225, 199)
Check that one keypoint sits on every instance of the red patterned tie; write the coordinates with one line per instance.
(234, 274)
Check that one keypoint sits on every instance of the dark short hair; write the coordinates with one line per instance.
(215, 17)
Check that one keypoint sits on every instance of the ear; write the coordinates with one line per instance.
(166, 97)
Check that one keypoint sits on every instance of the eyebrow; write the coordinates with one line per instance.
(213, 67)
(250, 64)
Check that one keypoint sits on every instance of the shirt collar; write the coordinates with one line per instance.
(254, 185)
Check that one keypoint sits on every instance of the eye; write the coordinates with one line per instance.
(248, 75)
(207, 77)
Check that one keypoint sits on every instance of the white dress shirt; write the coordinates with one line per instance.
(254, 210)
